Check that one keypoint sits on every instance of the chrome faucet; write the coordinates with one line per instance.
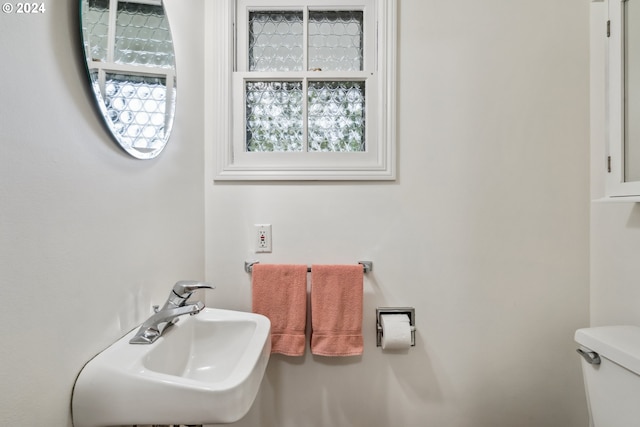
(175, 307)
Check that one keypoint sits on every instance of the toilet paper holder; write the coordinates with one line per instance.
(409, 311)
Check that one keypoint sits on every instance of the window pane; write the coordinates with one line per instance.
(336, 116)
(335, 40)
(97, 21)
(143, 36)
(275, 41)
(274, 116)
(136, 107)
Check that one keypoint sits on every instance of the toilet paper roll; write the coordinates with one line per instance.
(396, 331)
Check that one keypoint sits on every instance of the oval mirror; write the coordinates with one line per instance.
(131, 66)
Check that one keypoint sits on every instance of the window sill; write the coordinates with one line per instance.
(617, 199)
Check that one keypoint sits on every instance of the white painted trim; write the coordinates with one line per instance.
(615, 182)
(218, 62)
(620, 199)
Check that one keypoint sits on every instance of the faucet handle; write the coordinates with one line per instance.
(184, 288)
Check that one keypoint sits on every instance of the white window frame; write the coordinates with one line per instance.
(224, 90)
(615, 183)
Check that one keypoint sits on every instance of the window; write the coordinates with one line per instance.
(623, 106)
(305, 92)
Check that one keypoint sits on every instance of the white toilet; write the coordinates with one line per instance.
(611, 368)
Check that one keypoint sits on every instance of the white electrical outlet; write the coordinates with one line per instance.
(263, 238)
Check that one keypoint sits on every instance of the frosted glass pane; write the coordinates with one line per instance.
(135, 105)
(275, 41)
(143, 36)
(335, 40)
(336, 116)
(274, 116)
(96, 29)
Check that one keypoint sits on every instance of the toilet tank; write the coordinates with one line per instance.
(612, 383)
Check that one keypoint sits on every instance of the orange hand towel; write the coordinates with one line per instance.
(336, 310)
(280, 293)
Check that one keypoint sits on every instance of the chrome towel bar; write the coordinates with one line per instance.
(367, 266)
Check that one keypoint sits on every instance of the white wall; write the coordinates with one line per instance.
(89, 237)
(485, 233)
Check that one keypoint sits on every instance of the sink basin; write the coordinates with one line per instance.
(205, 369)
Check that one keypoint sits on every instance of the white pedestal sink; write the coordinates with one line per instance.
(205, 369)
